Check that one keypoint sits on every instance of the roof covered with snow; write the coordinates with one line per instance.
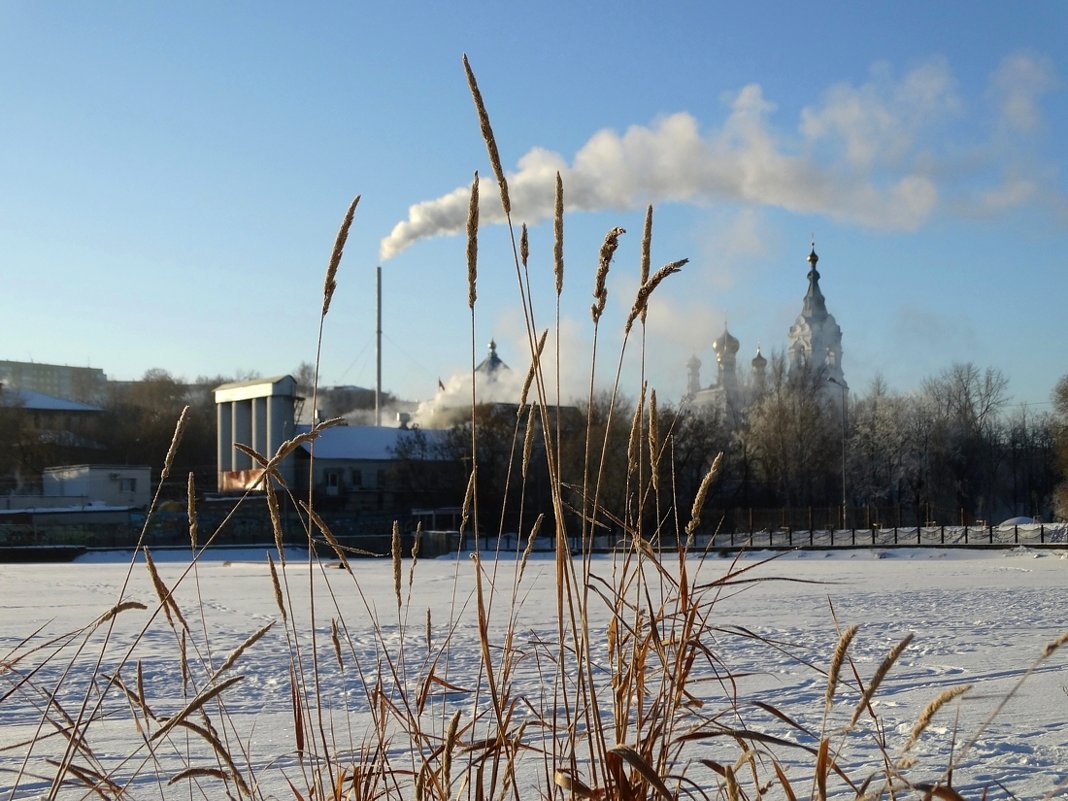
(38, 401)
(366, 443)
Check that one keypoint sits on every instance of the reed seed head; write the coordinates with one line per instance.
(191, 495)
(837, 659)
(487, 136)
(1052, 646)
(179, 429)
(528, 437)
(530, 543)
(877, 679)
(278, 598)
(330, 283)
(702, 494)
(472, 243)
(929, 711)
(647, 246)
(535, 364)
(276, 518)
(469, 496)
(600, 292)
(641, 301)
(558, 236)
(336, 641)
(524, 245)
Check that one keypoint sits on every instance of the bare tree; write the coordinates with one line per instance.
(793, 432)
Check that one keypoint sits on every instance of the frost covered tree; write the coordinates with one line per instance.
(1060, 437)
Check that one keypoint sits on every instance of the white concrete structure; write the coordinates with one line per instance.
(261, 415)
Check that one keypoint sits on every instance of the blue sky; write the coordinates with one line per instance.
(172, 177)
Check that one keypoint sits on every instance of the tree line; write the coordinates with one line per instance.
(957, 450)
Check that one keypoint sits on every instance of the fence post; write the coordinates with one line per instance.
(991, 530)
(1042, 534)
(895, 535)
(1016, 534)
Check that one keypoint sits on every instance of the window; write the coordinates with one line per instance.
(127, 485)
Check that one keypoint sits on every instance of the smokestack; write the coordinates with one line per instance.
(378, 349)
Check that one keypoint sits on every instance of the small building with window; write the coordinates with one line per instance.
(102, 484)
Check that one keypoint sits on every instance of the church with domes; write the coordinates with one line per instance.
(814, 342)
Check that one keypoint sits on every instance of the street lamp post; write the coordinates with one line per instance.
(842, 387)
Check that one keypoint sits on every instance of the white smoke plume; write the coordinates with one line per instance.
(855, 156)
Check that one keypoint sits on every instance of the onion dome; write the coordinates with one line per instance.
(725, 345)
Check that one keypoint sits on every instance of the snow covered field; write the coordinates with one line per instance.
(979, 617)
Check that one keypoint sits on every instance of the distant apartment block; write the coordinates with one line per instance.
(85, 384)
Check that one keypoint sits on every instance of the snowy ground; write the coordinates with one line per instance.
(979, 617)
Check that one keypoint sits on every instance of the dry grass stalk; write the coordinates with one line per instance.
(94, 780)
(197, 702)
(535, 363)
(179, 429)
(278, 598)
(641, 301)
(137, 696)
(645, 770)
(600, 291)
(702, 494)
(929, 712)
(208, 735)
(558, 236)
(732, 783)
(877, 679)
(487, 136)
(654, 441)
(191, 495)
(327, 534)
(634, 442)
(237, 652)
(472, 244)
(837, 659)
(330, 284)
(395, 553)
